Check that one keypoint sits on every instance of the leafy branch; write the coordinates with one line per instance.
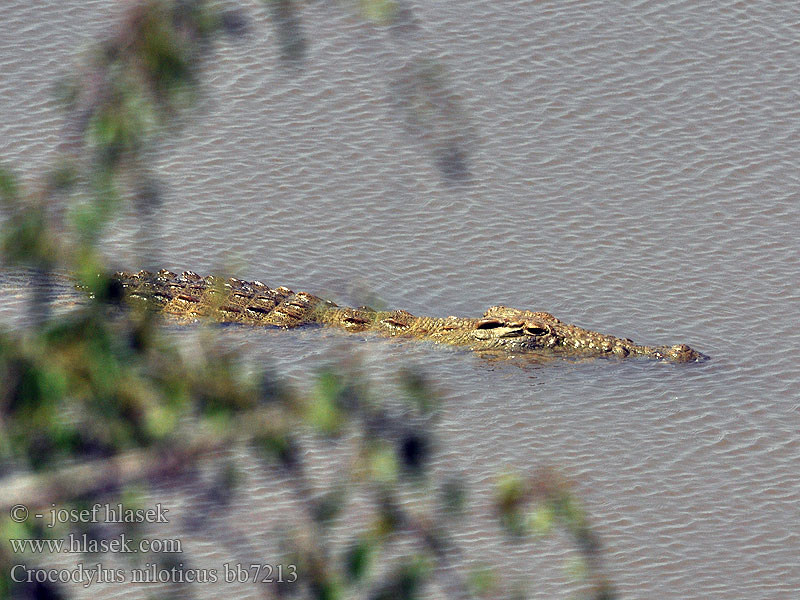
(97, 402)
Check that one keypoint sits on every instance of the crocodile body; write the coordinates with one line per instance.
(189, 296)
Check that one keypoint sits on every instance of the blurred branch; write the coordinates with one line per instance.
(288, 26)
(91, 477)
(557, 504)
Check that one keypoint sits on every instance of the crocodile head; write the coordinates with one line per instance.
(516, 330)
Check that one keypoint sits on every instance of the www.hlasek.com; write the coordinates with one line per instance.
(152, 573)
(83, 544)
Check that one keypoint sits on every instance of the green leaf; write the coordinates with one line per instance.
(482, 580)
(576, 568)
(8, 187)
(541, 520)
(324, 415)
(511, 492)
(327, 589)
(358, 558)
(418, 390)
(324, 409)
(329, 506)
(382, 12)
(454, 496)
(161, 420)
(383, 464)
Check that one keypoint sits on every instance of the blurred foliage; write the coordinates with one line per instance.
(421, 91)
(433, 114)
(534, 506)
(97, 405)
(8, 187)
(382, 12)
(286, 20)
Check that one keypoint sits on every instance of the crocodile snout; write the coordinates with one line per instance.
(683, 353)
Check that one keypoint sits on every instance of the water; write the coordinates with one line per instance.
(633, 169)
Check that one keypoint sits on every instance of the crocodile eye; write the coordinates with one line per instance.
(536, 330)
(489, 324)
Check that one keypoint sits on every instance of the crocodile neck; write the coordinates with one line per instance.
(189, 297)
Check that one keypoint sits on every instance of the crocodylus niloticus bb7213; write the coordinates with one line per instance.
(189, 296)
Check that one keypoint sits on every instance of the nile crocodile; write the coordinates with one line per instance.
(189, 296)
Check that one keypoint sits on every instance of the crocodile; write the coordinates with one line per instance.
(189, 297)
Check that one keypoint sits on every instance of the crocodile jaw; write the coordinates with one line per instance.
(680, 353)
